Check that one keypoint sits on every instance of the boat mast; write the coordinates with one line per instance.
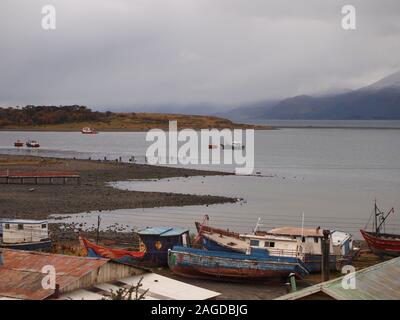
(382, 217)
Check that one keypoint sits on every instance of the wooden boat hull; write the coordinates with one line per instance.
(134, 258)
(30, 246)
(312, 261)
(383, 244)
(219, 265)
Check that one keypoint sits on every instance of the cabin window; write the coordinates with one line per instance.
(44, 226)
(7, 226)
(254, 243)
(20, 226)
(303, 239)
(268, 244)
(316, 239)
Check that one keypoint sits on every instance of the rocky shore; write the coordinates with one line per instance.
(94, 193)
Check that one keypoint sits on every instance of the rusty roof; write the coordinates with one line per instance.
(21, 274)
(296, 231)
(379, 282)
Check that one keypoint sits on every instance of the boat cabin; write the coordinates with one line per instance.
(274, 245)
(310, 239)
(23, 231)
(159, 240)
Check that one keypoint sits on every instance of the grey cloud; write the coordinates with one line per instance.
(224, 52)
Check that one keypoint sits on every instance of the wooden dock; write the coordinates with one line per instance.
(47, 177)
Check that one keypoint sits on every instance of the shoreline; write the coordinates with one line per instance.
(94, 194)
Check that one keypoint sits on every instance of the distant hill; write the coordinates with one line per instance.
(378, 101)
(74, 118)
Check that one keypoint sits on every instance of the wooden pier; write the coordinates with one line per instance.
(47, 177)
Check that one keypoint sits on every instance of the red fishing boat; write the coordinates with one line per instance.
(380, 242)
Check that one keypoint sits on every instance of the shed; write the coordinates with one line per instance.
(22, 273)
(378, 282)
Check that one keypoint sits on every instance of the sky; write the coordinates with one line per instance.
(112, 54)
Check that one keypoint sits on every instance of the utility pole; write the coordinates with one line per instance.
(325, 249)
(98, 229)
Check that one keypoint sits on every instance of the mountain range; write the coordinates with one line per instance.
(378, 101)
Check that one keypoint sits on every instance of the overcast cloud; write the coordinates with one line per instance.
(120, 53)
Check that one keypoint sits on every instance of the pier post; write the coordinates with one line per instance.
(325, 250)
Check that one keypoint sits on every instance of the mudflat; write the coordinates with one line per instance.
(94, 193)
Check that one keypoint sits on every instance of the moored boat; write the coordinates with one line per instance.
(18, 143)
(221, 265)
(24, 234)
(152, 250)
(379, 242)
(32, 144)
(88, 130)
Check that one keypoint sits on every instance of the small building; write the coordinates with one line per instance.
(25, 271)
(25, 234)
(22, 274)
(159, 240)
(378, 282)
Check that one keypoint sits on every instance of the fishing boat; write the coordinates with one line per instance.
(18, 143)
(309, 240)
(378, 241)
(235, 145)
(32, 144)
(152, 250)
(88, 130)
(254, 264)
(24, 234)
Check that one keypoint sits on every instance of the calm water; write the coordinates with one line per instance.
(332, 176)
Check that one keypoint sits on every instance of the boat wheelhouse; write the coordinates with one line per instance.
(151, 251)
(25, 234)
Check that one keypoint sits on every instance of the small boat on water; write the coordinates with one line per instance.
(379, 242)
(32, 144)
(88, 130)
(275, 240)
(24, 234)
(151, 251)
(18, 143)
(235, 145)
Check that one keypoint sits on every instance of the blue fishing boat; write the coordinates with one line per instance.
(308, 240)
(152, 250)
(221, 265)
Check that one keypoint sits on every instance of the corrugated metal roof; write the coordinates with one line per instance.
(21, 274)
(160, 288)
(162, 231)
(379, 282)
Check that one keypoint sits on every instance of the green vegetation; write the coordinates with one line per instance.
(74, 118)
